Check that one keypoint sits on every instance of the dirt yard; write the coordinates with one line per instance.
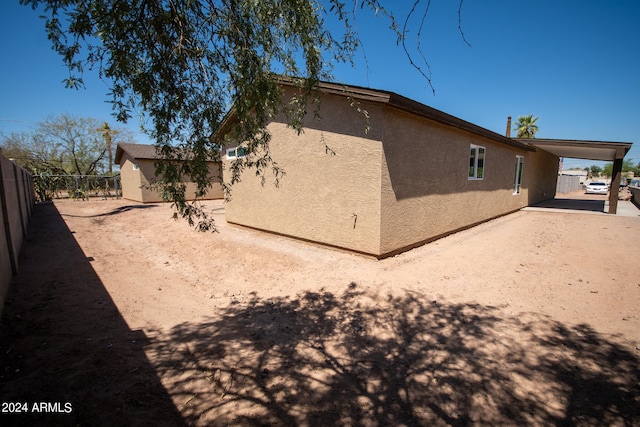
(121, 316)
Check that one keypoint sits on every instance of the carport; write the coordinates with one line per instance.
(592, 150)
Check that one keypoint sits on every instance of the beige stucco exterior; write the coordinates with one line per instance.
(138, 174)
(330, 193)
(401, 184)
(426, 191)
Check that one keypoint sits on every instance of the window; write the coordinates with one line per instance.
(136, 166)
(517, 181)
(476, 162)
(236, 152)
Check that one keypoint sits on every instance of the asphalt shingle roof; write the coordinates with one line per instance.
(137, 151)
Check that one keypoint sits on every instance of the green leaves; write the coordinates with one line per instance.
(526, 126)
(184, 64)
(66, 145)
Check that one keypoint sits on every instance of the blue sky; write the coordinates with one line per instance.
(573, 63)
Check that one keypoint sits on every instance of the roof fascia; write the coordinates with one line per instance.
(622, 148)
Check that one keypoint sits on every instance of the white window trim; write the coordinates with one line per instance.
(475, 166)
(234, 150)
(136, 166)
(517, 179)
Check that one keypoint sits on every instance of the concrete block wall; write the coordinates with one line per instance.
(635, 192)
(16, 204)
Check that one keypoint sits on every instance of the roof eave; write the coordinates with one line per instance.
(394, 100)
(420, 109)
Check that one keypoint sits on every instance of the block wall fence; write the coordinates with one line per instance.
(17, 199)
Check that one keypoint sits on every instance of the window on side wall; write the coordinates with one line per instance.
(136, 166)
(236, 153)
(476, 162)
(517, 180)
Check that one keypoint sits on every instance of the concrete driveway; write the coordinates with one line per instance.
(578, 202)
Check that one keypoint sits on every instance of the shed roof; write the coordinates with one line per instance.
(137, 151)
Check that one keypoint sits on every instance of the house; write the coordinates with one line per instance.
(399, 176)
(138, 172)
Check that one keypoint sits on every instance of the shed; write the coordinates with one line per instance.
(138, 173)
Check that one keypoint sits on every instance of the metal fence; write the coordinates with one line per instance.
(79, 187)
(568, 184)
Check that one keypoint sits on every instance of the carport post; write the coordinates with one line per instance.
(616, 175)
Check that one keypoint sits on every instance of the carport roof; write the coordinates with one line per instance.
(579, 149)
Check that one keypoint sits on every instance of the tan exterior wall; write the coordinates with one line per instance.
(130, 179)
(331, 191)
(135, 182)
(426, 191)
(540, 176)
(403, 183)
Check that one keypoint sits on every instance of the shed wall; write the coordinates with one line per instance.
(135, 182)
(130, 179)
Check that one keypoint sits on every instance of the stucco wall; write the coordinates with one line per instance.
(426, 191)
(331, 191)
(540, 176)
(402, 183)
(135, 182)
(130, 179)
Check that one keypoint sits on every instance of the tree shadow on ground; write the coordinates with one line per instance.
(362, 359)
(115, 211)
(64, 343)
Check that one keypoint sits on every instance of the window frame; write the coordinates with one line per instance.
(479, 162)
(517, 179)
(235, 151)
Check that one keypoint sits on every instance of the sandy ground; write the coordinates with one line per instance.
(122, 316)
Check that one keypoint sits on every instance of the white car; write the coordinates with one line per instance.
(596, 188)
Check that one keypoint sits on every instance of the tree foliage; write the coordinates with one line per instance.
(184, 63)
(526, 126)
(595, 170)
(63, 145)
(627, 166)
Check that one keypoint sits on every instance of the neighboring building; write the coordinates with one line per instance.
(418, 174)
(138, 172)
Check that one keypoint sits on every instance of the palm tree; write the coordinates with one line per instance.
(526, 126)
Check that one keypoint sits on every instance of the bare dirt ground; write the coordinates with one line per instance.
(122, 316)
